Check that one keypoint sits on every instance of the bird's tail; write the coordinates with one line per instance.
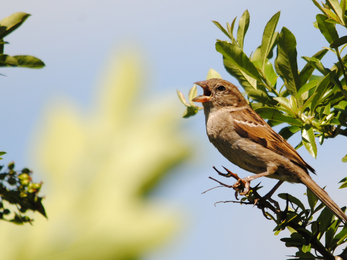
(323, 196)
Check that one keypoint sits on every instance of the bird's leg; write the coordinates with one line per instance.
(271, 169)
(238, 186)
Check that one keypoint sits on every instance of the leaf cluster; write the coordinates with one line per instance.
(7, 26)
(314, 105)
(17, 188)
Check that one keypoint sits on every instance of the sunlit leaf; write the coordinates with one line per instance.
(308, 140)
(11, 23)
(327, 29)
(221, 28)
(269, 37)
(213, 74)
(286, 62)
(243, 27)
(234, 54)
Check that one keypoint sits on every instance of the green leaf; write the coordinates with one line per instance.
(269, 37)
(8, 61)
(320, 91)
(307, 103)
(325, 219)
(243, 27)
(234, 54)
(341, 105)
(190, 111)
(309, 140)
(306, 72)
(341, 236)
(288, 131)
(193, 92)
(28, 61)
(327, 29)
(317, 64)
(268, 70)
(230, 29)
(11, 23)
(286, 63)
(306, 248)
(285, 105)
(293, 199)
(181, 98)
(275, 115)
(221, 28)
(213, 74)
(335, 5)
(312, 199)
(344, 159)
(338, 42)
(303, 91)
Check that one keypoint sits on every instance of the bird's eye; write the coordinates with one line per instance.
(221, 88)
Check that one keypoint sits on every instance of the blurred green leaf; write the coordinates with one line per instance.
(343, 181)
(213, 74)
(344, 159)
(327, 29)
(286, 63)
(181, 98)
(11, 23)
(243, 27)
(269, 38)
(190, 111)
(309, 140)
(192, 94)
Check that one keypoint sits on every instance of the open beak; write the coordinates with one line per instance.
(207, 92)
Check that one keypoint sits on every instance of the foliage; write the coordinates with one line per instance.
(315, 105)
(7, 26)
(17, 188)
(101, 167)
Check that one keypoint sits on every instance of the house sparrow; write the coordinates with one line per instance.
(246, 140)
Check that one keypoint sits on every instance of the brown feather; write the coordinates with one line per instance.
(249, 124)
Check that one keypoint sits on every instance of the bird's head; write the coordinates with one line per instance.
(219, 92)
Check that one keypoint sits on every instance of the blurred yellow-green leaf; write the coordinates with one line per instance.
(98, 167)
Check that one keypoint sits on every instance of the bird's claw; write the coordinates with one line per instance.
(242, 186)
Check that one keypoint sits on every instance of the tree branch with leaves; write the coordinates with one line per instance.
(312, 105)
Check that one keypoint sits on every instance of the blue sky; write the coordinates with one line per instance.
(75, 38)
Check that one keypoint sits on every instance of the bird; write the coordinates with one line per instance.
(246, 140)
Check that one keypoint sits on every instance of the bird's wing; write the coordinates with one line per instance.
(249, 124)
